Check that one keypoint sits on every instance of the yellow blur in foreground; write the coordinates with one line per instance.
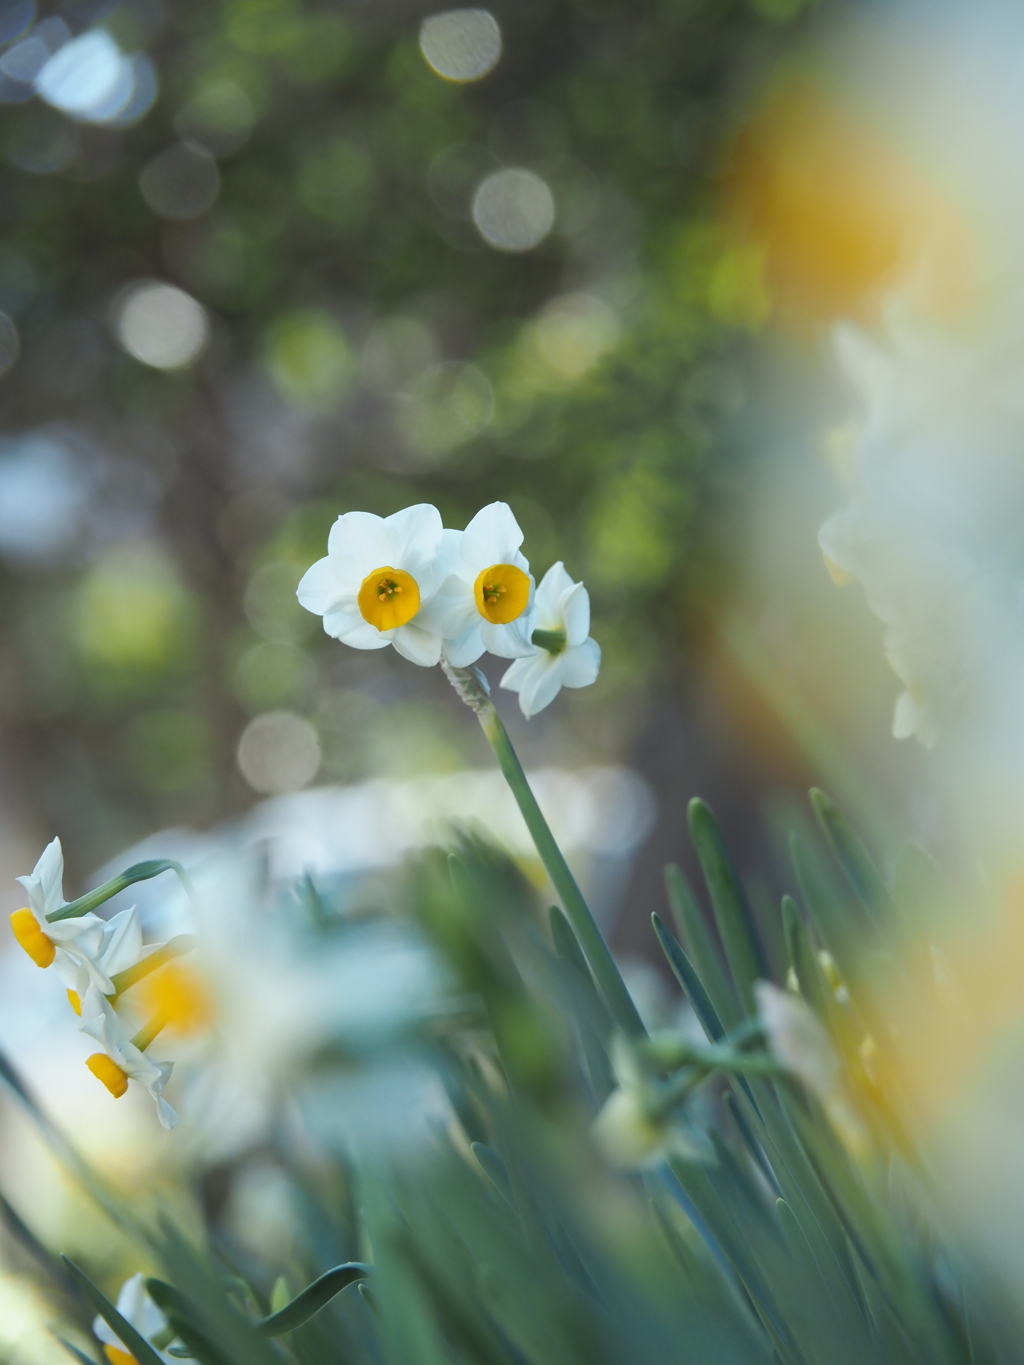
(840, 214)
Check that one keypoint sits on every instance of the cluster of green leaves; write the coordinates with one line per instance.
(504, 1238)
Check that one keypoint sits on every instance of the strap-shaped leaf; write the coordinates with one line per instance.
(181, 1318)
(695, 935)
(314, 1297)
(691, 983)
(854, 859)
(132, 1340)
(73, 1350)
(175, 947)
(809, 975)
(743, 947)
(138, 872)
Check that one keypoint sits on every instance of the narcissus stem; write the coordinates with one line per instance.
(472, 688)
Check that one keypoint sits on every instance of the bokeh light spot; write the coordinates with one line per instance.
(574, 332)
(309, 358)
(447, 405)
(15, 17)
(513, 209)
(219, 118)
(180, 183)
(45, 490)
(86, 77)
(461, 44)
(278, 752)
(160, 325)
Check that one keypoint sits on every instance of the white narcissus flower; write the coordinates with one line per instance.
(121, 1060)
(137, 1308)
(77, 945)
(565, 655)
(486, 600)
(377, 577)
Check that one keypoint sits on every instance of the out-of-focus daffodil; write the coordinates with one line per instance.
(138, 1309)
(486, 601)
(565, 655)
(376, 579)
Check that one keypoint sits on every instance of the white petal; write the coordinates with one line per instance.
(542, 686)
(416, 535)
(353, 631)
(550, 591)
(49, 873)
(122, 942)
(451, 610)
(581, 664)
(907, 718)
(466, 648)
(512, 641)
(516, 675)
(360, 537)
(419, 646)
(576, 614)
(322, 585)
(492, 537)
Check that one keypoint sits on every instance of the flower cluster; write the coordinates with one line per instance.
(407, 581)
(99, 961)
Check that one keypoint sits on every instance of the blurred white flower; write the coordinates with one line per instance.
(138, 1309)
(121, 1059)
(377, 577)
(486, 601)
(633, 1130)
(929, 531)
(565, 655)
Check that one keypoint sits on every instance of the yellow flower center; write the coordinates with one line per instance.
(105, 1069)
(28, 933)
(118, 1357)
(76, 1002)
(501, 593)
(177, 996)
(389, 598)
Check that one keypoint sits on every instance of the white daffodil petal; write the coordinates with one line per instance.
(581, 664)
(353, 631)
(512, 641)
(576, 614)
(542, 685)
(122, 942)
(321, 586)
(357, 536)
(550, 591)
(494, 531)
(451, 611)
(517, 673)
(419, 646)
(467, 648)
(416, 534)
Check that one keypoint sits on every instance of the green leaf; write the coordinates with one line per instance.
(138, 872)
(593, 1022)
(133, 1341)
(803, 959)
(73, 1350)
(314, 1297)
(855, 860)
(175, 1308)
(696, 937)
(743, 947)
(691, 983)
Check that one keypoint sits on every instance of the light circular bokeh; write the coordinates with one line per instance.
(278, 752)
(461, 44)
(180, 183)
(447, 405)
(85, 76)
(513, 209)
(161, 325)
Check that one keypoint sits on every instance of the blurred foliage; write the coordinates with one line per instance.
(484, 1227)
(308, 178)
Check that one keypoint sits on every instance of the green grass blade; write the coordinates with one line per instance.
(743, 947)
(696, 936)
(314, 1297)
(133, 1341)
(691, 983)
(854, 859)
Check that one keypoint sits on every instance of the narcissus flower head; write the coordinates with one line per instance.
(564, 654)
(486, 600)
(77, 946)
(378, 575)
(122, 1059)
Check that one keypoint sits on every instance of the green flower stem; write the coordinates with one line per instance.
(139, 872)
(472, 688)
